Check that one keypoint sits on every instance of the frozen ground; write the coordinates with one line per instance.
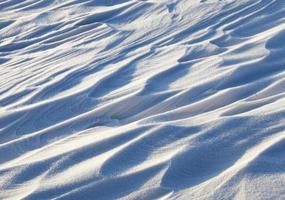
(133, 99)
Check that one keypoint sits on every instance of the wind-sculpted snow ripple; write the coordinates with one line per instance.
(142, 99)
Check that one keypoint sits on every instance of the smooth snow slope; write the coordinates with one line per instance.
(130, 99)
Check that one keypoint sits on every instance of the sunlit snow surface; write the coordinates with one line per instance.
(130, 99)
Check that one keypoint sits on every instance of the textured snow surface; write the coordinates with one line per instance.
(133, 99)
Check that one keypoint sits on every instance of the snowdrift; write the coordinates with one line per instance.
(133, 99)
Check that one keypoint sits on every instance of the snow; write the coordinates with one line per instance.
(142, 99)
